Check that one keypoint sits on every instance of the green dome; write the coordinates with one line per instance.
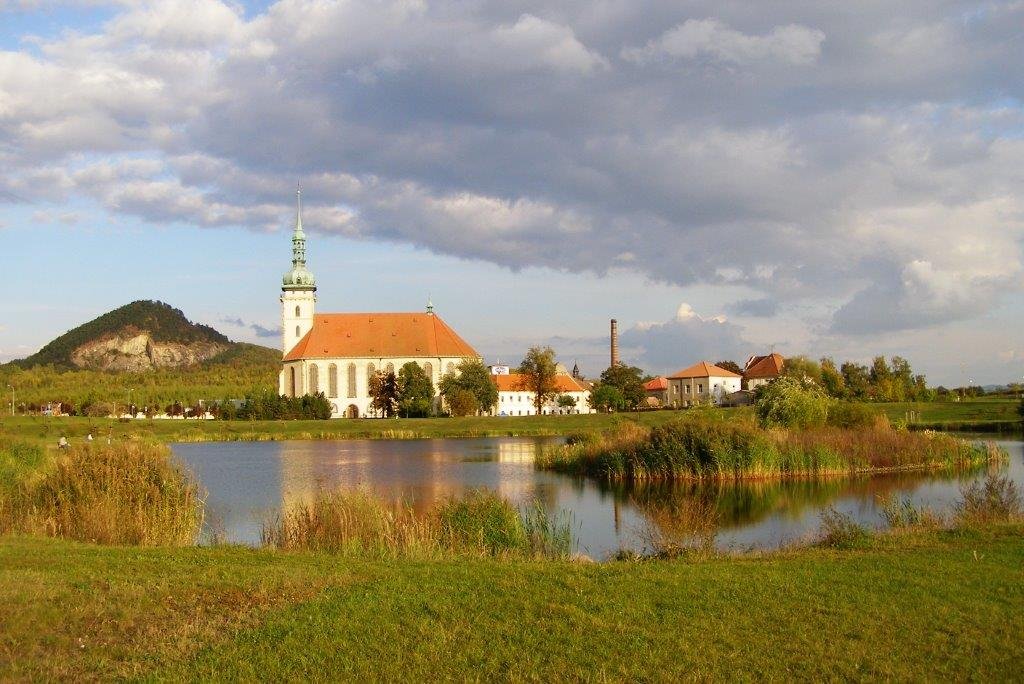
(299, 278)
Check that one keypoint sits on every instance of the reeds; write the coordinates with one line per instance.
(359, 523)
(700, 449)
(126, 493)
(993, 500)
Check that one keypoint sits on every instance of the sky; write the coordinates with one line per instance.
(724, 178)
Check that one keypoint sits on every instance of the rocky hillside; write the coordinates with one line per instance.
(140, 336)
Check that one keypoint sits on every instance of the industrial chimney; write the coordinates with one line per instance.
(615, 342)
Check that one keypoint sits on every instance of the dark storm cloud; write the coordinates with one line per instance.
(867, 153)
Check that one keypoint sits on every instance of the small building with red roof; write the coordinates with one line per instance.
(657, 392)
(760, 370)
(701, 383)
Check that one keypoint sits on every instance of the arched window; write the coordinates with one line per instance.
(332, 381)
(314, 379)
(428, 368)
(351, 380)
(296, 331)
(298, 312)
(295, 383)
(450, 368)
(371, 370)
(390, 368)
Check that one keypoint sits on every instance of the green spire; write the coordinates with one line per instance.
(299, 278)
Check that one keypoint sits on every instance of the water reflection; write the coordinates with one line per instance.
(249, 482)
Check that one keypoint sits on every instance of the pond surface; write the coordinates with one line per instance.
(249, 482)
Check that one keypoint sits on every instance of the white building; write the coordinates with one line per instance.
(701, 383)
(338, 353)
(514, 400)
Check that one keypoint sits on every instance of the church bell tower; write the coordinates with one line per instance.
(298, 289)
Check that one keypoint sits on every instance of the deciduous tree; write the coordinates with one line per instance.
(539, 373)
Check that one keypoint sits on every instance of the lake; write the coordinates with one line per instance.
(249, 482)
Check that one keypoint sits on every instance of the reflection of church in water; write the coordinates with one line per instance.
(338, 353)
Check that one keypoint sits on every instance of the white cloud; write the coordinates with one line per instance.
(711, 39)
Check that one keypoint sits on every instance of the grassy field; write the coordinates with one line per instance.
(914, 606)
(980, 414)
(995, 413)
(50, 429)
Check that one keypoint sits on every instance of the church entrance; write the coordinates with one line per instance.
(352, 411)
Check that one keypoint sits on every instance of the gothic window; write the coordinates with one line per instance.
(428, 368)
(351, 381)
(314, 379)
(450, 368)
(295, 383)
(298, 312)
(371, 370)
(332, 381)
(390, 368)
(296, 331)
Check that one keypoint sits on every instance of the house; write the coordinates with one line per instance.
(760, 370)
(338, 353)
(701, 383)
(514, 400)
(657, 392)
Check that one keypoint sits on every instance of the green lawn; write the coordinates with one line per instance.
(50, 429)
(922, 606)
(977, 413)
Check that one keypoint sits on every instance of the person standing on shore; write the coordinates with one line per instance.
(62, 443)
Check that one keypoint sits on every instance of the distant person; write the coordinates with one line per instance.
(88, 437)
(62, 443)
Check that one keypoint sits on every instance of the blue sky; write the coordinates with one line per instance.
(721, 178)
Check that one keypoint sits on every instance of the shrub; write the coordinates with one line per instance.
(840, 531)
(791, 402)
(112, 494)
(680, 526)
(994, 500)
(359, 523)
(462, 403)
(852, 415)
(902, 513)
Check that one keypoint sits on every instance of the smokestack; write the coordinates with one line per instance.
(615, 342)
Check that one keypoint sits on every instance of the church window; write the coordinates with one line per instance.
(295, 383)
(296, 331)
(450, 368)
(332, 381)
(314, 379)
(390, 368)
(298, 312)
(371, 370)
(351, 380)
(428, 368)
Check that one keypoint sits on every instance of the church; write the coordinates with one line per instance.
(338, 353)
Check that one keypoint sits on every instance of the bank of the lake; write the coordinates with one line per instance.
(922, 605)
(981, 415)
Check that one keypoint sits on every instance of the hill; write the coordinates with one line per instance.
(147, 351)
(139, 336)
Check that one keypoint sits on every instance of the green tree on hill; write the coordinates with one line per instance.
(791, 402)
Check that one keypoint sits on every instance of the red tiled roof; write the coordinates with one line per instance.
(513, 382)
(703, 370)
(656, 384)
(380, 335)
(769, 366)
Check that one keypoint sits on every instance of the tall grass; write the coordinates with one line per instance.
(357, 523)
(126, 493)
(701, 449)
